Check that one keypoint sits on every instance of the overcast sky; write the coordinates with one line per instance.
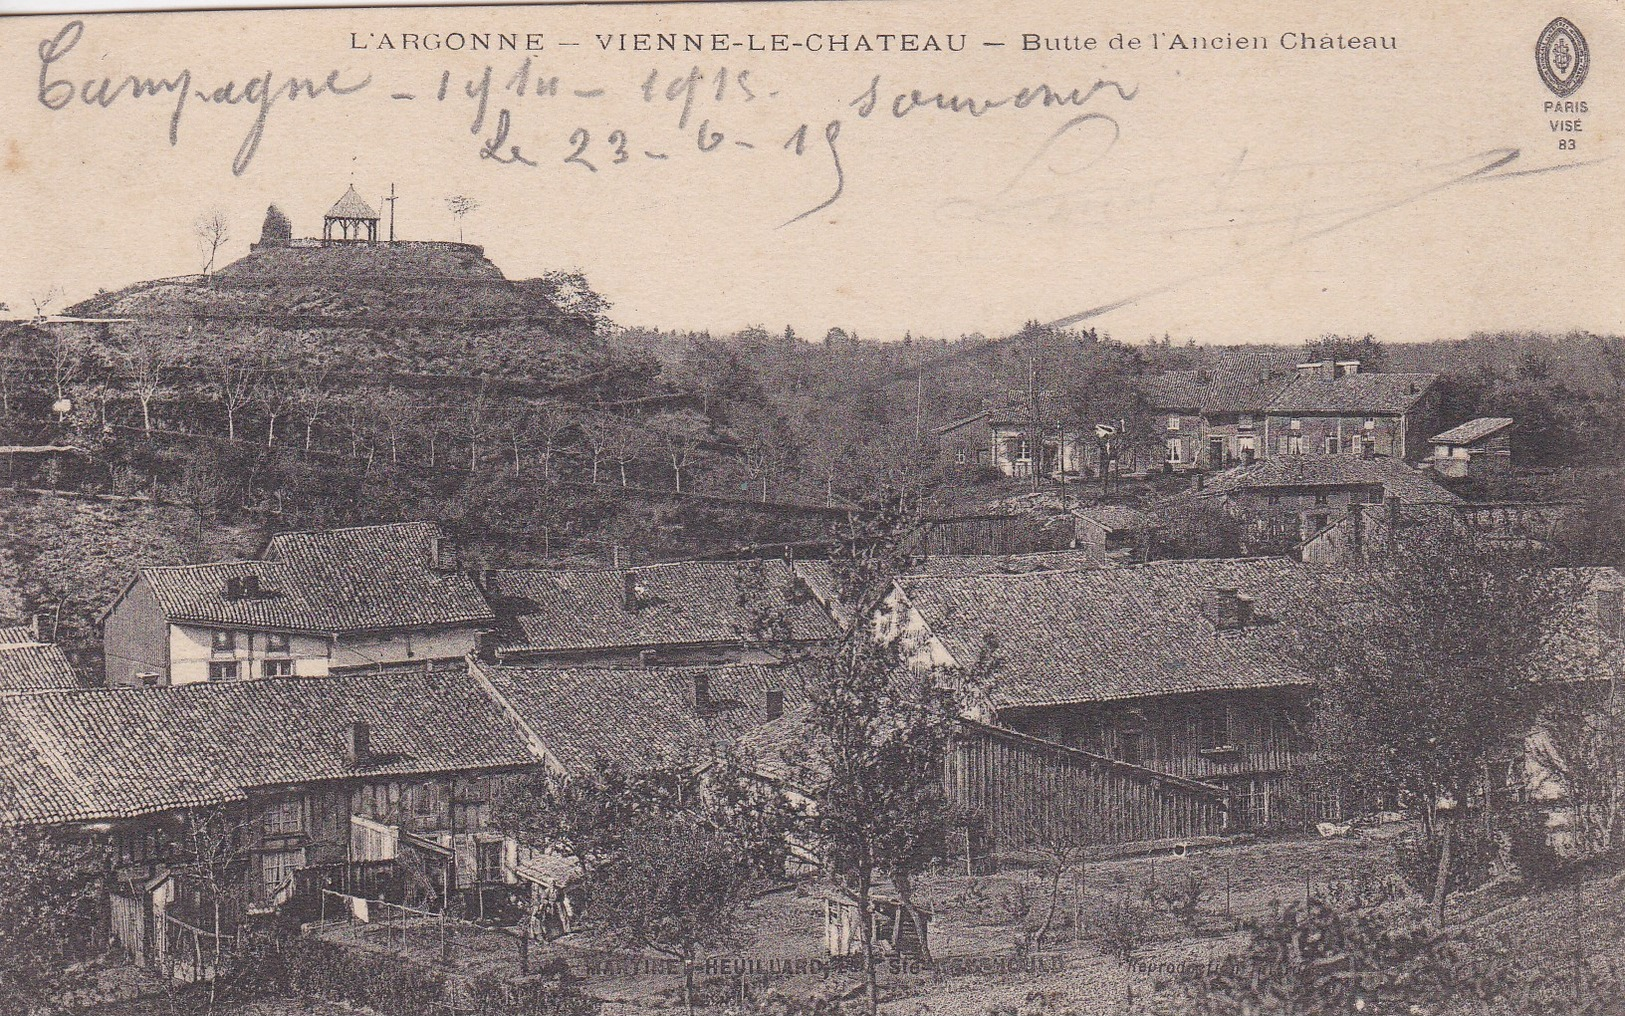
(1223, 194)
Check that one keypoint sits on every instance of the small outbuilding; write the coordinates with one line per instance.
(1478, 447)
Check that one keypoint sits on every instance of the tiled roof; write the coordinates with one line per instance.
(1352, 394)
(954, 425)
(351, 206)
(638, 716)
(1116, 518)
(1472, 430)
(346, 580)
(117, 753)
(1287, 471)
(1082, 636)
(680, 603)
(1007, 564)
(27, 664)
(1212, 391)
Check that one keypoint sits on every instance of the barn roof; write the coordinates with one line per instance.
(638, 717)
(98, 753)
(1284, 472)
(1119, 633)
(679, 603)
(365, 578)
(27, 664)
(1358, 394)
(1472, 430)
(351, 206)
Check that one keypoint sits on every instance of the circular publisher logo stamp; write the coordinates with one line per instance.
(1563, 57)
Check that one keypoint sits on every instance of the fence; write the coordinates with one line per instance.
(192, 953)
(1024, 790)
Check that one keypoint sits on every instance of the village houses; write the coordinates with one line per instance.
(1211, 419)
(1332, 407)
(368, 597)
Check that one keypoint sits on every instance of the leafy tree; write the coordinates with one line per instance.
(877, 725)
(51, 895)
(1424, 678)
(679, 891)
(461, 207)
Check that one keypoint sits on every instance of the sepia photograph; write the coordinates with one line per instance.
(816, 508)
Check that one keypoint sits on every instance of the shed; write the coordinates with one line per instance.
(894, 933)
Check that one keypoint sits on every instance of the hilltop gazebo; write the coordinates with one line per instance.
(351, 216)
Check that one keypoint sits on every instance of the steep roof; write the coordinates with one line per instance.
(1411, 486)
(1355, 394)
(1472, 430)
(638, 716)
(1120, 633)
(365, 578)
(351, 206)
(1212, 391)
(98, 753)
(681, 602)
(27, 664)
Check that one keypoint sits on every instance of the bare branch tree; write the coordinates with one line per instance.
(461, 206)
(211, 231)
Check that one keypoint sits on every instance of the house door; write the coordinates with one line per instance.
(1215, 452)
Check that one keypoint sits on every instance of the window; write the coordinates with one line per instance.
(1212, 729)
(1296, 424)
(1370, 423)
(224, 671)
(223, 642)
(1322, 498)
(1253, 803)
(1176, 451)
(278, 668)
(1273, 499)
(277, 642)
(1173, 422)
(488, 861)
(959, 456)
(1294, 444)
(277, 866)
(1330, 444)
(285, 818)
(1246, 421)
(1024, 452)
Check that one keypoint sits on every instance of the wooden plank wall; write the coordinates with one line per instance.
(1021, 791)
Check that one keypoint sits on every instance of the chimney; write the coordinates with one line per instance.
(234, 587)
(1390, 504)
(443, 554)
(774, 703)
(632, 590)
(1611, 610)
(1323, 370)
(1343, 368)
(1226, 607)
(357, 743)
(1357, 529)
(34, 626)
(701, 688)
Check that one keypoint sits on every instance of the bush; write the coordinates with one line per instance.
(1312, 959)
(1472, 858)
(1183, 897)
(1125, 928)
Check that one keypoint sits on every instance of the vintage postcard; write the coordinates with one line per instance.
(813, 508)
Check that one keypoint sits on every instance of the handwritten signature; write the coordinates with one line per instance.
(261, 92)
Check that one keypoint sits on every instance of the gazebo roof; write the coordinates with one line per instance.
(351, 206)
